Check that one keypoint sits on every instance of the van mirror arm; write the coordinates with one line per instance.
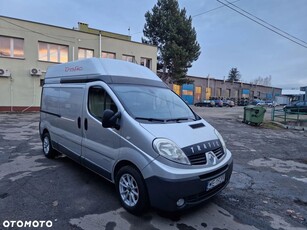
(115, 118)
(110, 119)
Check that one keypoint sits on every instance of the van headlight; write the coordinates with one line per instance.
(170, 150)
(219, 136)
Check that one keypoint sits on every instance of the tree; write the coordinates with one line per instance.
(266, 81)
(234, 75)
(168, 28)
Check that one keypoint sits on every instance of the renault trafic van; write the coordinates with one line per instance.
(121, 121)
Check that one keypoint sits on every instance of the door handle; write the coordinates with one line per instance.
(85, 123)
(79, 122)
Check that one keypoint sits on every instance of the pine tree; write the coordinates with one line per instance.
(234, 75)
(169, 28)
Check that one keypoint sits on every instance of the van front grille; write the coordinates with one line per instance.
(200, 158)
(197, 152)
(219, 152)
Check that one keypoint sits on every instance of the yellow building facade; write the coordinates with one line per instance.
(28, 48)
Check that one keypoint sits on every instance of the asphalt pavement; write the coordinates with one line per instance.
(267, 189)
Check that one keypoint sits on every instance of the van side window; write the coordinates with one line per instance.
(98, 101)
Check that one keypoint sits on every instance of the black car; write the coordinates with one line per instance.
(205, 103)
(299, 106)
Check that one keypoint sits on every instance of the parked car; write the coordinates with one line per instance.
(218, 102)
(299, 106)
(228, 103)
(243, 102)
(258, 102)
(271, 103)
(205, 103)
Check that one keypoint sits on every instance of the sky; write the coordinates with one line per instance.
(227, 39)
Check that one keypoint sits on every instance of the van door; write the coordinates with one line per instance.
(69, 124)
(100, 146)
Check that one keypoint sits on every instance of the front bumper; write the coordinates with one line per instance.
(164, 193)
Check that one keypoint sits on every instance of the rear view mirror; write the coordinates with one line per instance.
(110, 119)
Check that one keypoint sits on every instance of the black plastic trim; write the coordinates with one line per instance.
(53, 114)
(113, 80)
(95, 168)
(82, 161)
(66, 151)
(198, 125)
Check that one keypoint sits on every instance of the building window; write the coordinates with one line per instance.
(228, 93)
(252, 94)
(128, 58)
(41, 82)
(177, 89)
(219, 92)
(52, 52)
(11, 47)
(146, 62)
(236, 92)
(108, 55)
(208, 93)
(85, 53)
(198, 93)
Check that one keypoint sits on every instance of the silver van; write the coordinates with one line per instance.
(121, 121)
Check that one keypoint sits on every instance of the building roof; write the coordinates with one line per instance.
(292, 92)
(82, 27)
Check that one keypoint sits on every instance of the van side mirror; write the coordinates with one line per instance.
(109, 119)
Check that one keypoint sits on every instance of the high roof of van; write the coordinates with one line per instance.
(94, 67)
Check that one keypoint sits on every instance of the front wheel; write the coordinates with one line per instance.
(49, 152)
(131, 190)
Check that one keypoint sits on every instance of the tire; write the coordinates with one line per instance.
(48, 151)
(131, 190)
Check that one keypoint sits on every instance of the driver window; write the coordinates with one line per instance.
(98, 101)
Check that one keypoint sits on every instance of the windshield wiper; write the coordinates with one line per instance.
(149, 119)
(179, 119)
(162, 120)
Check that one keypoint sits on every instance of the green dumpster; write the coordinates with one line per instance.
(253, 114)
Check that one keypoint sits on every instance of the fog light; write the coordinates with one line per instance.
(180, 202)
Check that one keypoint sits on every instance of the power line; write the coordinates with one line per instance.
(196, 15)
(267, 27)
(208, 11)
(266, 22)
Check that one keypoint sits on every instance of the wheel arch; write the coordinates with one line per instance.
(45, 130)
(122, 164)
(143, 202)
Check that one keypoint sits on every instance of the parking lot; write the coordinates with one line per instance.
(267, 189)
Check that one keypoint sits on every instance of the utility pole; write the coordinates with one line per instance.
(304, 89)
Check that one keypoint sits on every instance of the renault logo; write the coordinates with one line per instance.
(211, 158)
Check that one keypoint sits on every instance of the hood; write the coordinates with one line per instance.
(183, 134)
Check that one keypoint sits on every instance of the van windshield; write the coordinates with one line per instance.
(153, 104)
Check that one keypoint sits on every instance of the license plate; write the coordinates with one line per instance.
(215, 182)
